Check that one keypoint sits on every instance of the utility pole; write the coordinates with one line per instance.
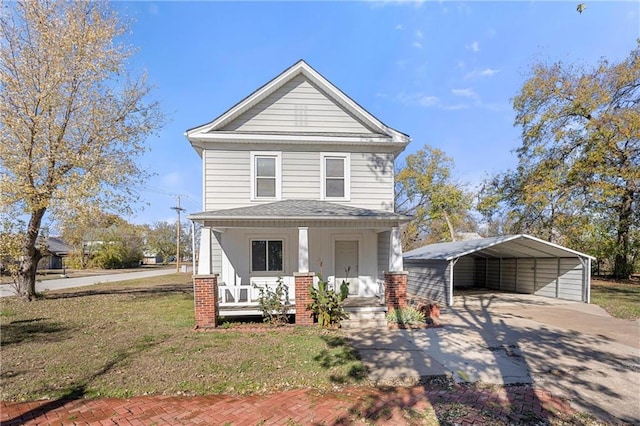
(178, 209)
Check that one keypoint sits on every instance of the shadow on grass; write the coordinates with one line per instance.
(157, 290)
(341, 354)
(618, 291)
(78, 390)
(41, 329)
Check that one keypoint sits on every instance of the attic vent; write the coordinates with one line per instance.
(300, 115)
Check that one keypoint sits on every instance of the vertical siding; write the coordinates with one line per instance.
(298, 106)
(570, 281)
(384, 241)
(546, 274)
(428, 278)
(463, 272)
(526, 282)
(508, 275)
(301, 175)
(372, 181)
(227, 179)
(493, 274)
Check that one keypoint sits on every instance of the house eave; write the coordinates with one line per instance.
(370, 142)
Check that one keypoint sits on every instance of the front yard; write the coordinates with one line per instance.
(619, 299)
(137, 338)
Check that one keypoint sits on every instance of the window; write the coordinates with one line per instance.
(265, 172)
(335, 176)
(266, 255)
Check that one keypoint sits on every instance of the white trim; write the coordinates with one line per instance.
(204, 182)
(303, 249)
(205, 253)
(347, 175)
(395, 251)
(278, 157)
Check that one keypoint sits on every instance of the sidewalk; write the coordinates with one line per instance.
(392, 406)
(62, 283)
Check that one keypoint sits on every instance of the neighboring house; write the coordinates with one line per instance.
(298, 179)
(151, 258)
(54, 255)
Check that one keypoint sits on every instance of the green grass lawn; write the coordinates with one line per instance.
(619, 299)
(137, 337)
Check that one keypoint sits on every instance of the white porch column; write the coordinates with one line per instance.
(204, 256)
(395, 251)
(303, 249)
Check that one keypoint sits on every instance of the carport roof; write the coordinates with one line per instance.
(507, 246)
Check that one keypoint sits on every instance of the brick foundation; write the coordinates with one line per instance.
(205, 290)
(395, 290)
(303, 281)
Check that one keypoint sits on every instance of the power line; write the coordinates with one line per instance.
(179, 210)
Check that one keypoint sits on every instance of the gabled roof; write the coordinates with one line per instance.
(299, 210)
(57, 247)
(207, 132)
(508, 246)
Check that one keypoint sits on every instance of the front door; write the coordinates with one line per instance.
(346, 265)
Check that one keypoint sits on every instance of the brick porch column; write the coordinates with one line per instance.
(395, 290)
(205, 293)
(303, 280)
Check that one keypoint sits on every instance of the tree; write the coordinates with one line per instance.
(578, 175)
(72, 119)
(121, 245)
(424, 188)
(161, 240)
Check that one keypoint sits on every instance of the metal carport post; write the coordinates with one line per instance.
(452, 263)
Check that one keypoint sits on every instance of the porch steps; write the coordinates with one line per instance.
(364, 312)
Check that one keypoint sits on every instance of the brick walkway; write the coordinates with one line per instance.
(393, 406)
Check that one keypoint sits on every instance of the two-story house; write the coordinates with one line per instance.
(298, 181)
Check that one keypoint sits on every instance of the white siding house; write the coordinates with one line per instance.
(297, 178)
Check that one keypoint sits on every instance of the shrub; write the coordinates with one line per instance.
(405, 316)
(327, 304)
(272, 303)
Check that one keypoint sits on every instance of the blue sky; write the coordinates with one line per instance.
(442, 72)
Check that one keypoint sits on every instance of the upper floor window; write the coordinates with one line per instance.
(265, 175)
(336, 176)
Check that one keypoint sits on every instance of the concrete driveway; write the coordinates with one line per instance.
(572, 349)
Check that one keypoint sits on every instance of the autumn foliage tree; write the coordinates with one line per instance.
(425, 189)
(578, 176)
(73, 120)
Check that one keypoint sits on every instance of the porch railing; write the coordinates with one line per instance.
(248, 294)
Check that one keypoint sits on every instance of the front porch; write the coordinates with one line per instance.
(300, 242)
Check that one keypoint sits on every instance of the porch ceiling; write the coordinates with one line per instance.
(300, 213)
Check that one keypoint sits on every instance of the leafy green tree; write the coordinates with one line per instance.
(578, 175)
(425, 189)
(161, 240)
(73, 120)
(119, 246)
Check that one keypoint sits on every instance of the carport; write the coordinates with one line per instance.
(512, 263)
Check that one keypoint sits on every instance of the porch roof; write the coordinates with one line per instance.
(300, 211)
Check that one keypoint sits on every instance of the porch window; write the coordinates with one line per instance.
(335, 176)
(265, 171)
(266, 255)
